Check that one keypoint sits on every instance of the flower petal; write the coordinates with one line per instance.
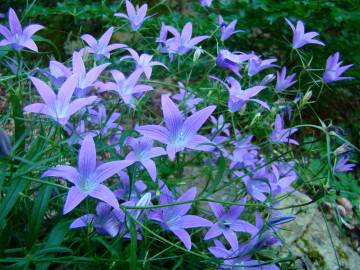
(104, 194)
(63, 171)
(73, 199)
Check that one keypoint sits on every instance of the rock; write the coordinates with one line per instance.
(308, 237)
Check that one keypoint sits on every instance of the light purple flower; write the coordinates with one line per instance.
(232, 61)
(281, 134)
(238, 98)
(182, 43)
(334, 69)
(126, 88)
(256, 64)
(101, 48)
(267, 79)
(189, 99)
(100, 118)
(227, 30)
(143, 62)
(143, 152)
(136, 17)
(228, 223)
(87, 177)
(283, 82)
(300, 37)
(125, 193)
(179, 133)
(206, 3)
(105, 221)
(256, 185)
(78, 132)
(16, 36)
(220, 125)
(174, 218)
(342, 165)
(58, 106)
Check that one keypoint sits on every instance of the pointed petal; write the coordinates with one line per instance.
(87, 157)
(37, 108)
(66, 91)
(63, 171)
(183, 236)
(154, 132)
(78, 63)
(5, 32)
(230, 236)
(200, 143)
(108, 169)
(90, 40)
(30, 44)
(14, 23)
(243, 226)
(130, 9)
(46, 93)
(193, 123)
(186, 33)
(150, 167)
(172, 116)
(104, 194)
(182, 209)
(236, 210)
(73, 199)
(32, 29)
(80, 103)
(217, 209)
(214, 231)
(156, 152)
(94, 73)
(192, 221)
(82, 221)
(105, 38)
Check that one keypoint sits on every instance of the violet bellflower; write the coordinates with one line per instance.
(283, 82)
(59, 106)
(125, 192)
(127, 88)
(228, 223)
(333, 69)
(180, 132)
(101, 48)
(135, 16)
(219, 125)
(187, 98)
(87, 177)
(230, 60)
(238, 98)
(78, 132)
(183, 43)
(101, 119)
(300, 37)
(57, 73)
(143, 62)
(206, 3)
(143, 152)
(281, 134)
(106, 220)
(175, 218)
(342, 165)
(227, 30)
(17, 37)
(256, 64)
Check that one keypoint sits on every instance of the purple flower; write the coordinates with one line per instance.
(300, 37)
(256, 185)
(125, 192)
(126, 88)
(143, 62)
(182, 43)
(228, 223)
(189, 99)
(281, 178)
(206, 3)
(57, 73)
(283, 82)
(87, 177)
(256, 64)
(136, 17)
(227, 30)
(99, 117)
(342, 165)
(58, 106)
(101, 47)
(143, 152)
(334, 69)
(179, 132)
(106, 221)
(220, 125)
(281, 134)
(267, 79)
(16, 36)
(232, 61)
(174, 218)
(238, 98)
(77, 133)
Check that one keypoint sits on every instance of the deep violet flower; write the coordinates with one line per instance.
(180, 132)
(283, 82)
(206, 3)
(58, 106)
(143, 62)
(143, 152)
(101, 48)
(189, 99)
(256, 64)
(182, 43)
(126, 88)
(106, 220)
(227, 30)
(87, 177)
(238, 98)
(175, 219)
(300, 37)
(136, 17)
(16, 36)
(281, 134)
(342, 165)
(230, 60)
(334, 69)
(228, 223)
